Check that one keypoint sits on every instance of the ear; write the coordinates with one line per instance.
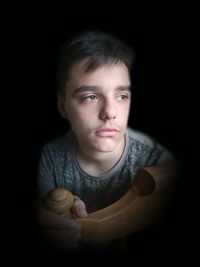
(61, 107)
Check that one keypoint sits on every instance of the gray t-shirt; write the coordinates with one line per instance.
(59, 167)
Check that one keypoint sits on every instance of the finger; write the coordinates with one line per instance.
(48, 219)
(79, 208)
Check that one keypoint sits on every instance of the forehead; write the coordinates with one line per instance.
(108, 75)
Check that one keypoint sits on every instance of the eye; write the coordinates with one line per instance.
(122, 97)
(90, 98)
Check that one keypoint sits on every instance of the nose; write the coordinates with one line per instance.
(108, 111)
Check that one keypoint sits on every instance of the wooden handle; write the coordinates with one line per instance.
(59, 201)
(134, 211)
(135, 215)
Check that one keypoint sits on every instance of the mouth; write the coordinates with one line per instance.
(107, 132)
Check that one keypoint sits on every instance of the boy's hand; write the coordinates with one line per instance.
(59, 232)
(78, 208)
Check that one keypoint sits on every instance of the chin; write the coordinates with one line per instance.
(109, 147)
(106, 150)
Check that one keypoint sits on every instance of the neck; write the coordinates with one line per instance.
(97, 163)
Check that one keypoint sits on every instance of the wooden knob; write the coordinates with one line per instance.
(59, 201)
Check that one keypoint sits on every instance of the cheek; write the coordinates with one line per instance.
(80, 120)
(124, 112)
(128, 109)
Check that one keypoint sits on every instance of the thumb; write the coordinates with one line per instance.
(78, 208)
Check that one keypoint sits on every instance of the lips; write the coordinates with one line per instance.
(107, 132)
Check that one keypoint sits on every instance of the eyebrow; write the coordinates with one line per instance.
(87, 88)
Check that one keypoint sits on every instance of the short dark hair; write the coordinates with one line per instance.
(99, 47)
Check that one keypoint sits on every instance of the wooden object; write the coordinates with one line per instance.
(59, 201)
(137, 209)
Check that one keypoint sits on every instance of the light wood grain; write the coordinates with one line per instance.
(128, 215)
(137, 209)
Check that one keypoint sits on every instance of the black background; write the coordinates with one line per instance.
(163, 41)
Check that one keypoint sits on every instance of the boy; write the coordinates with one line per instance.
(99, 157)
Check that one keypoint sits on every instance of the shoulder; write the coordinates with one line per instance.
(141, 138)
(147, 149)
(59, 145)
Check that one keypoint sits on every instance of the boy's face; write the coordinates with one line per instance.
(97, 106)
